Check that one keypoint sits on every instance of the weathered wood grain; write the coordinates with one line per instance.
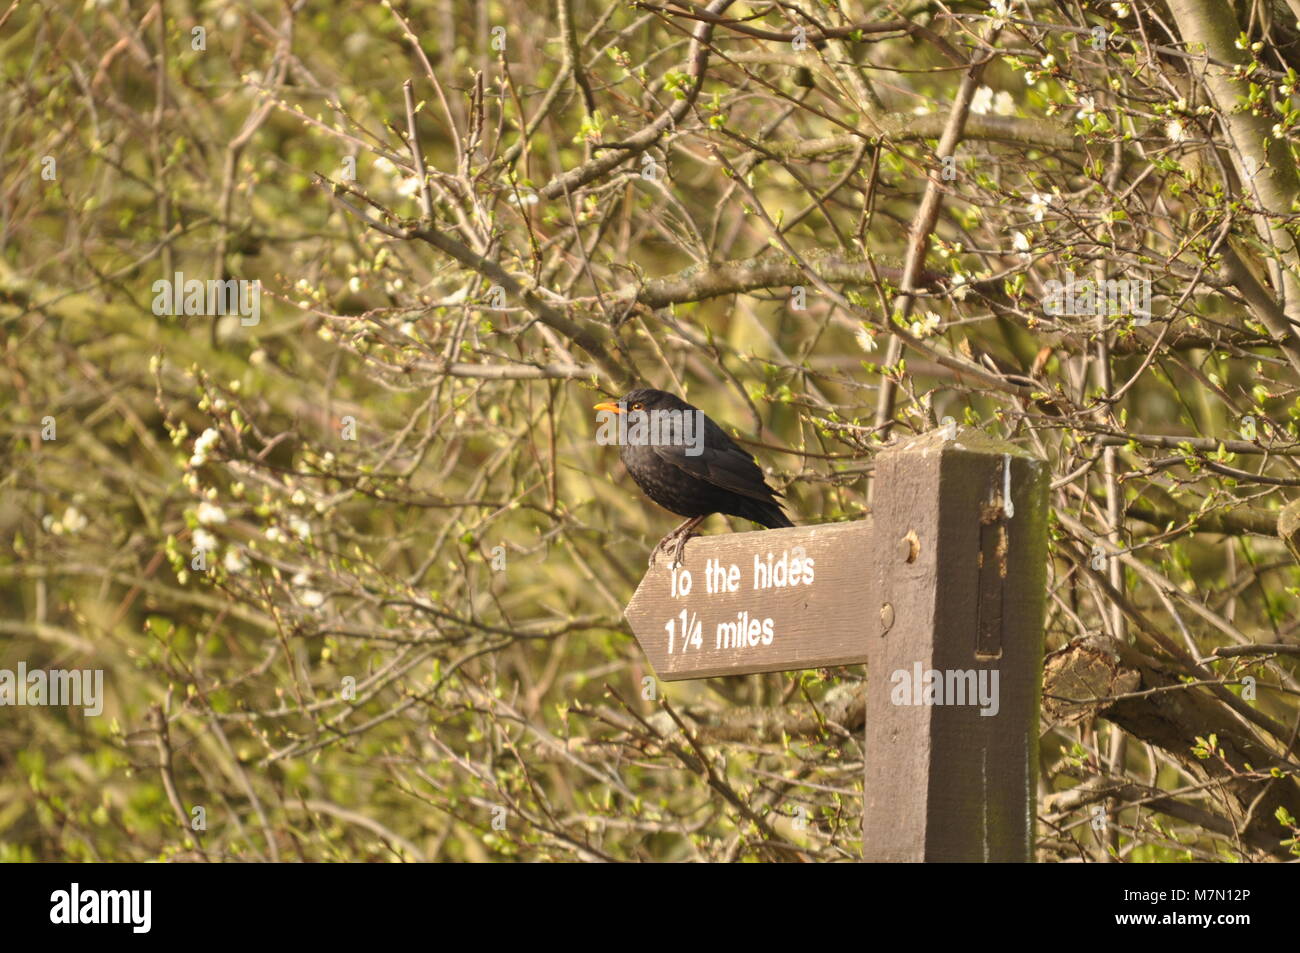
(811, 624)
(943, 781)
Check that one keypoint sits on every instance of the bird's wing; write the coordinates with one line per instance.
(721, 463)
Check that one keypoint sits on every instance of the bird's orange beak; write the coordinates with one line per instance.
(610, 405)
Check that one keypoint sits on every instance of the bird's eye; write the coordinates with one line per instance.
(638, 406)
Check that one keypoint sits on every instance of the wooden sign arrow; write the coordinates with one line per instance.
(766, 601)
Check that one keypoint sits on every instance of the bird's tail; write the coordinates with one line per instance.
(768, 514)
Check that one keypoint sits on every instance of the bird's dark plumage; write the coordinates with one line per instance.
(722, 478)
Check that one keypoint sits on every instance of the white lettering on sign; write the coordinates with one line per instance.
(748, 604)
(784, 571)
(746, 630)
(680, 584)
(791, 567)
(717, 579)
(690, 632)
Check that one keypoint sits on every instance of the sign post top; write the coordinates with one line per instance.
(956, 440)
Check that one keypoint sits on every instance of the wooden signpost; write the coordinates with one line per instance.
(941, 592)
(766, 601)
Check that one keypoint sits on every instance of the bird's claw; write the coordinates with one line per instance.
(678, 550)
(681, 548)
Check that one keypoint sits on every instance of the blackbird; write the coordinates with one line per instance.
(696, 472)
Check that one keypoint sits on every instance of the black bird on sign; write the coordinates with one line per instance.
(693, 478)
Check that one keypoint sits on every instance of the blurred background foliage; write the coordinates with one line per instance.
(404, 636)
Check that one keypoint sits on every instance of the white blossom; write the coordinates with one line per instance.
(209, 514)
(927, 325)
(308, 597)
(202, 444)
(1038, 205)
(959, 288)
(73, 520)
